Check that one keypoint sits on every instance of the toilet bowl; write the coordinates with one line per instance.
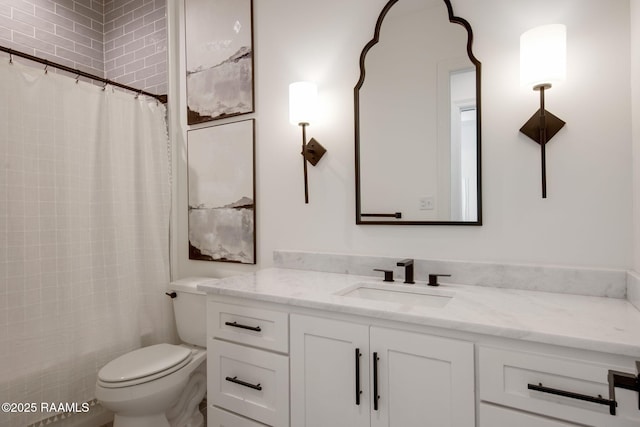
(162, 385)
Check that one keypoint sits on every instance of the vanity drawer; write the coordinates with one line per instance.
(248, 325)
(217, 417)
(492, 416)
(505, 375)
(253, 383)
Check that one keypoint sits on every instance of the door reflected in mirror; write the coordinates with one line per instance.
(417, 119)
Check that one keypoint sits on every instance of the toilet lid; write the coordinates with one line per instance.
(143, 362)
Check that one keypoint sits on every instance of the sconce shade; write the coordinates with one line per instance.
(543, 55)
(302, 102)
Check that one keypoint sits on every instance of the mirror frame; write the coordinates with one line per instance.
(356, 92)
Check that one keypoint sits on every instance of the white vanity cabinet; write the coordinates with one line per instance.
(352, 375)
(285, 351)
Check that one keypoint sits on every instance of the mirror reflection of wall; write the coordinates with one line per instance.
(417, 142)
(464, 174)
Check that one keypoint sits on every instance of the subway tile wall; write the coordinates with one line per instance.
(122, 40)
(135, 43)
(65, 31)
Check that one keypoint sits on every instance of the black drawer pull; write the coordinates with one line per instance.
(244, 383)
(612, 404)
(375, 381)
(238, 325)
(358, 391)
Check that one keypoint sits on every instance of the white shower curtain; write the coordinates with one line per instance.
(84, 220)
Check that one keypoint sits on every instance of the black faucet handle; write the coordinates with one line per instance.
(433, 279)
(388, 274)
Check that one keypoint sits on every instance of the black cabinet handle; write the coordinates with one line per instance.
(375, 381)
(612, 404)
(358, 392)
(238, 325)
(235, 380)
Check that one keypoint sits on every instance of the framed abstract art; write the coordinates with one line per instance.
(219, 59)
(222, 211)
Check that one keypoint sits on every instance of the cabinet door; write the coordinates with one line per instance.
(422, 380)
(323, 373)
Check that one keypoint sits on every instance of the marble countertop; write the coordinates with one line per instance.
(602, 324)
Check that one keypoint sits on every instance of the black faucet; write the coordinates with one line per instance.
(408, 270)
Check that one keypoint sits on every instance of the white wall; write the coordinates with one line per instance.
(635, 111)
(586, 219)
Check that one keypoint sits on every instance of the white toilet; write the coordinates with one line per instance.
(163, 384)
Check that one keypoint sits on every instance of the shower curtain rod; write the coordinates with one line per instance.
(47, 63)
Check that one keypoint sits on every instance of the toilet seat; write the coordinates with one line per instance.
(144, 365)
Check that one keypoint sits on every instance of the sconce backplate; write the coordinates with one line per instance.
(532, 127)
(314, 151)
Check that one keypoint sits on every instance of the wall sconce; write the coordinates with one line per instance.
(543, 53)
(302, 110)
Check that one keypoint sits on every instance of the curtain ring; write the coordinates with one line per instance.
(77, 78)
(46, 65)
(105, 86)
(10, 57)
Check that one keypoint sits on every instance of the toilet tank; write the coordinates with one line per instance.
(190, 310)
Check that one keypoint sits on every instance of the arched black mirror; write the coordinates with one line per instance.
(417, 119)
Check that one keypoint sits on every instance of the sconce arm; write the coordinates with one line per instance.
(312, 152)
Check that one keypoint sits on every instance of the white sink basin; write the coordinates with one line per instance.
(400, 294)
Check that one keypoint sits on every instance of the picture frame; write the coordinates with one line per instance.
(221, 188)
(219, 59)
